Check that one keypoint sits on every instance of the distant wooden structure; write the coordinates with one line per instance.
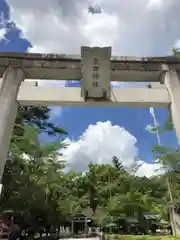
(80, 223)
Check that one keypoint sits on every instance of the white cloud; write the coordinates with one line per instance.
(3, 34)
(94, 24)
(149, 170)
(131, 27)
(99, 143)
(177, 44)
(3, 27)
(155, 3)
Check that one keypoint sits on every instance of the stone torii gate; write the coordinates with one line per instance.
(97, 68)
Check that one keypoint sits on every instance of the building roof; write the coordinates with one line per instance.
(149, 216)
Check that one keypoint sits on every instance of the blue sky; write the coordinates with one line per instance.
(75, 120)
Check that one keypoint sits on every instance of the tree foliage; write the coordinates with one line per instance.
(38, 186)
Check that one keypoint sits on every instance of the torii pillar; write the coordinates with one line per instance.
(171, 78)
(9, 88)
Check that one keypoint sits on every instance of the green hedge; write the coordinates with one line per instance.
(139, 237)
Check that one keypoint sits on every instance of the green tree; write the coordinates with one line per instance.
(36, 116)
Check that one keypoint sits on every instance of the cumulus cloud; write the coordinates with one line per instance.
(3, 34)
(100, 142)
(3, 28)
(154, 3)
(149, 170)
(131, 27)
